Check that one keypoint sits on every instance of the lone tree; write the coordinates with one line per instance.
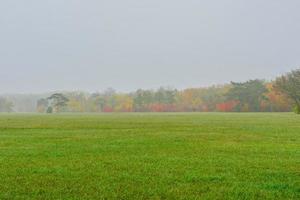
(58, 102)
(289, 84)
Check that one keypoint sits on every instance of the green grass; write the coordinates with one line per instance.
(150, 156)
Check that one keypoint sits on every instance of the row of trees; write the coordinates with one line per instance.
(250, 96)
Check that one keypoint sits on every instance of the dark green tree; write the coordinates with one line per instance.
(142, 98)
(165, 95)
(249, 94)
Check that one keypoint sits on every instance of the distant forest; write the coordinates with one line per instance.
(280, 95)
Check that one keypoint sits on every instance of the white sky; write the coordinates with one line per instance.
(128, 44)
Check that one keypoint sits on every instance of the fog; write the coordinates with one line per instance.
(94, 44)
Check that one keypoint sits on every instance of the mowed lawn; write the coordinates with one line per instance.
(150, 156)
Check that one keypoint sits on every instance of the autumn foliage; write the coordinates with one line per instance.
(250, 96)
(227, 106)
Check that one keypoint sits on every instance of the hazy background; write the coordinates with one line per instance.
(128, 44)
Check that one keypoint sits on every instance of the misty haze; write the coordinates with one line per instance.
(149, 99)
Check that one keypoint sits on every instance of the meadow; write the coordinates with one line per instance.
(150, 156)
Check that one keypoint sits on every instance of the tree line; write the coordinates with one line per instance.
(280, 95)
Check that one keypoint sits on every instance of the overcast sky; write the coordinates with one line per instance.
(48, 45)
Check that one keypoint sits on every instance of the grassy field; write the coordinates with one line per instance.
(150, 156)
